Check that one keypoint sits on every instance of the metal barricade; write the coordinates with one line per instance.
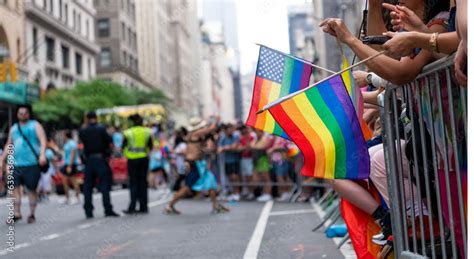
(425, 144)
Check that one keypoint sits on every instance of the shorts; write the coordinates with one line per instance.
(281, 169)
(246, 164)
(157, 169)
(193, 176)
(232, 168)
(262, 165)
(27, 176)
(73, 170)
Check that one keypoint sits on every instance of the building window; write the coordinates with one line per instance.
(89, 68)
(65, 54)
(78, 64)
(79, 23)
(18, 50)
(66, 14)
(130, 37)
(51, 6)
(74, 19)
(35, 42)
(105, 57)
(103, 26)
(124, 31)
(124, 58)
(45, 4)
(87, 29)
(49, 49)
(131, 63)
(61, 10)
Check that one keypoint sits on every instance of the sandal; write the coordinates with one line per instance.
(172, 211)
(31, 219)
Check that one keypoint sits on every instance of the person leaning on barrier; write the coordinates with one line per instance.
(418, 35)
(137, 143)
(97, 148)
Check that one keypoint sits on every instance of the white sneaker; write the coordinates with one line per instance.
(285, 196)
(264, 197)
(74, 201)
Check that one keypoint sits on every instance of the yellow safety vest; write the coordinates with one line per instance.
(137, 142)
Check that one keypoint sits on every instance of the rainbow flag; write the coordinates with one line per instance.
(324, 125)
(356, 97)
(277, 75)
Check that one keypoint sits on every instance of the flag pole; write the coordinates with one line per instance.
(284, 98)
(299, 59)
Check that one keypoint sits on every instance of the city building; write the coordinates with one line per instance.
(116, 35)
(155, 43)
(328, 51)
(217, 87)
(227, 18)
(60, 42)
(301, 30)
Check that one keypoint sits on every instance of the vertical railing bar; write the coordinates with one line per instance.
(389, 153)
(400, 164)
(446, 166)
(463, 93)
(417, 177)
(425, 167)
(412, 197)
(437, 180)
(456, 160)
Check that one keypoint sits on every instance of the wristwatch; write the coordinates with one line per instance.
(368, 78)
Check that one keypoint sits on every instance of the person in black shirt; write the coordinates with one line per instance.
(97, 146)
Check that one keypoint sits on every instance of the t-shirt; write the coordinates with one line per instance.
(245, 141)
(180, 158)
(156, 159)
(23, 154)
(117, 138)
(229, 156)
(70, 146)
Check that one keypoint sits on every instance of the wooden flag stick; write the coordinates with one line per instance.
(284, 98)
(302, 60)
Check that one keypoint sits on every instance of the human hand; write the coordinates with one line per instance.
(42, 160)
(460, 62)
(338, 29)
(68, 169)
(360, 78)
(400, 45)
(404, 18)
(370, 117)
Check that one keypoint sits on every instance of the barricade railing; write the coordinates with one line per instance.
(425, 145)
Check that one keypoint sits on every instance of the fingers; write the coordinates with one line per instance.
(405, 10)
(390, 34)
(390, 7)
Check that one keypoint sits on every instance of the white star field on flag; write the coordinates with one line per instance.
(271, 65)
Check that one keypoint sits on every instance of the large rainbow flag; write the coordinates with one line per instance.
(324, 125)
(277, 75)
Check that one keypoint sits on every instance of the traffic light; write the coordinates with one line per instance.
(7, 67)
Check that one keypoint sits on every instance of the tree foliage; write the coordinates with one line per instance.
(65, 108)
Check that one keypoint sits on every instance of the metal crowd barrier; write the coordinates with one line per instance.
(425, 145)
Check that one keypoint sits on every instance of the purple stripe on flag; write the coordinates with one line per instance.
(361, 152)
(307, 69)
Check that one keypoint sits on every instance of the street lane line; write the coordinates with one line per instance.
(345, 250)
(50, 237)
(254, 244)
(23, 245)
(291, 212)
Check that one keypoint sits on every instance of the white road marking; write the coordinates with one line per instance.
(50, 237)
(254, 244)
(346, 250)
(291, 212)
(161, 200)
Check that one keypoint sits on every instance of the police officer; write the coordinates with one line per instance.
(138, 142)
(97, 145)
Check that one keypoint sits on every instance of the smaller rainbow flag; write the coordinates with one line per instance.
(277, 75)
(322, 122)
(356, 97)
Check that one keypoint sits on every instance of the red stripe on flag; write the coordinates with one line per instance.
(252, 118)
(298, 138)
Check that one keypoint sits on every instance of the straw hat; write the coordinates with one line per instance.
(197, 123)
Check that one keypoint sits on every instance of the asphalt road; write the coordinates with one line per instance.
(250, 230)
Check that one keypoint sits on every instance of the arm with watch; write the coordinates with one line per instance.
(363, 78)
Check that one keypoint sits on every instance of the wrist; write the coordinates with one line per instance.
(351, 41)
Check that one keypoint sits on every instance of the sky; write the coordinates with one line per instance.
(264, 22)
(260, 21)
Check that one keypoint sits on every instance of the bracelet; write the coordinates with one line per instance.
(434, 42)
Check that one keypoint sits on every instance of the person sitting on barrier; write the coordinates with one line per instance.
(417, 34)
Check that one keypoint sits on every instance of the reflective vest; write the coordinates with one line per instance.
(137, 142)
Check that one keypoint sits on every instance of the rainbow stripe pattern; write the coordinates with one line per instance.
(324, 125)
(356, 97)
(277, 75)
